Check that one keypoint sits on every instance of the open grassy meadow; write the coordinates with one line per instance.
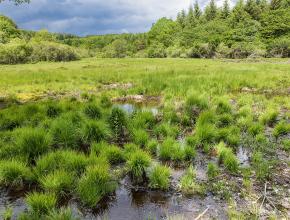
(145, 139)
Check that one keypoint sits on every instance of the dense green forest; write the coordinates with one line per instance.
(254, 28)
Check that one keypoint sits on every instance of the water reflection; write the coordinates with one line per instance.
(131, 108)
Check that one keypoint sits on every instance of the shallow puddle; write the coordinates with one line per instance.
(130, 108)
(243, 156)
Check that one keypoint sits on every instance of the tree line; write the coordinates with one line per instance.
(251, 28)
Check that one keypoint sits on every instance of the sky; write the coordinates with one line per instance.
(90, 17)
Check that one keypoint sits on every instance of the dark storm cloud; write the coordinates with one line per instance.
(84, 17)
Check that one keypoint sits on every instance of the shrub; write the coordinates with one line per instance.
(58, 182)
(93, 111)
(69, 161)
(94, 131)
(280, 47)
(137, 164)
(33, 142)
(14, 174)
(41, 203)
(281, 128)
(159, 178)
(227, 157)
(152, 146)
(118, 123)
(188, 184)
(140, 137)
(95, 184)
(65, 133)
(51, 51)
(212, 171)
(14, 52)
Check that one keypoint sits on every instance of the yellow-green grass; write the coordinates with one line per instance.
(171, 78)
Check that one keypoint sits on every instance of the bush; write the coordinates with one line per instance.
(33, 142)
(41, 203)
(65, 133)
(51, 51)
(137, 164)
(140, 137)
(212, 171)
(159, 178)
(58, 182)
(118, 123)
(156, 51)
(279, 48)
(94, 131)
(93, 111)
(188, 184)
(14, 174)
(95, 184)
(15, 52)
(281, 128)
(204, 50)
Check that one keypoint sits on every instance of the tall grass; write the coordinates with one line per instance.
(159, 178)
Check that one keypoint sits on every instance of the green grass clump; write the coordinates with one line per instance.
(113, 154)
(286, 145)
(212, 171)
(261, 166)
(269, 117)
(14, 174)
(189, 152)
(62, 214)
(140, 137)
(224, 120)
(118, 123)
(223, 106)
(92, 111)
(195, 105)
(95, 184)
(152, 146)
(41, 203)
(166, 130)
(65, 133)
(171, 150)
(33, 142)
(94, 131)
(137, 164)
(105, 101)
(159, 178)
(58, 182)
(206, 133)
(230, 135)
(282, 128)
(69, 161)
(53, 110)
(143, 120)
(206, 117)
(188, 184)
(130, 149)
(227, 157)
(255, 129)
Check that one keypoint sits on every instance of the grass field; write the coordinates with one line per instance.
(113, 138)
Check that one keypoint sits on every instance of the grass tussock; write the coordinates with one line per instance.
(159, 178)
